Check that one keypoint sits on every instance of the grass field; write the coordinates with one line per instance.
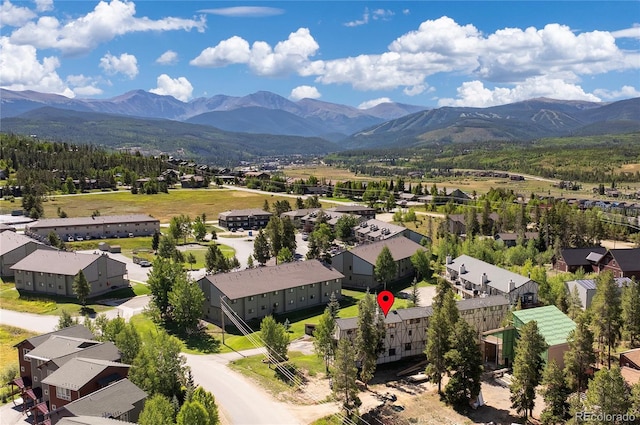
(162, 206)
(10, 336)
(11, 299)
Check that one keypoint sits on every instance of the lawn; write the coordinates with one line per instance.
(11, 299)
(162, 206)
(200, 344)
(255, 368)
(10, 336)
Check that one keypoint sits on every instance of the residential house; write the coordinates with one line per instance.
(471, 278)
(13, 248)
(253, 218)
(107, 226)
(366, 212)
(373, 230)
(121, 400)
(53, 272)
(296, 215)
(406, 329)
(24, 347)
(358, 264)
(621, 262)
(192, 181)
(259, 175)
(259, 292)
(630, 358)
(309, 221)
(451, 195)
(91, 420)
(6, 228)
(511, 239)
(457, 224)
(587, 289)
(79, 377)
(571, 259)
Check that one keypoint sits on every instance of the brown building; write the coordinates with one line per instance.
(248, 219)
(366, 212)
(358, 264)
(571, 259)
(621, 262)
(13, 248)
(53, 272)
(259, 292)
(107, 226)
(121, 400)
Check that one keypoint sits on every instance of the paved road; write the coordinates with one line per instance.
(32, 322)
(241, 402)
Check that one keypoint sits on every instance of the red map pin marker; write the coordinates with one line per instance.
(385, 301)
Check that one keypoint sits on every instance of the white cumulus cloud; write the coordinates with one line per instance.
(304, 92)
(124, 64)
(180, 87)
(21, 70)
(44, 5)
(633, 32)
(168, 58)
(374, 102)
(13, 15)
(288, 56)
(624, 93)
(104, 23)
(474, 93)
(83, 86)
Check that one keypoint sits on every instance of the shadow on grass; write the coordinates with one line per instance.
(202, 341)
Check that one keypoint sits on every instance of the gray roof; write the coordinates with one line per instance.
(594, 256)
(376, 228)
(265, 279)
(5, 227)
(58, 346)
(79, 371)
(350, 208)
(57, 262)
(112, 400)
(482, 302)
(92, 221)
(77, 331)
(498, 277)
(514, 236)
(91, 420)
(11, 240)
(590, 284)
(400, 248)
(298, 213)
(244, 213)
(106, 350)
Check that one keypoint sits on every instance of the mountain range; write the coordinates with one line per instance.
(263, 123)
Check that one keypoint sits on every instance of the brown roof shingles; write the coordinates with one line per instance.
(400, 248)
(265, 279)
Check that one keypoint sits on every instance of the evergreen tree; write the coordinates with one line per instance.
(191, 259)
(464, 364)
(606, 314)
(275, 338)
(555, 394)
(580, 356)
(334, 305)
(261, 248)
(323, 343)
(635, 400)
(299, 203)
(285, 255)
(386, 268)
(527, 368)
(288, 235)
(157, 410)
(186, 300)
(631, 312)
(575, 305)
(265, 206)
(65, 320)
(414, 298)
(81, 288)
(608, 394)
(166, 247)
(250, 264)
(369, 336)
(274, 232)
(344, 375)
(155, 241)
(199, 228)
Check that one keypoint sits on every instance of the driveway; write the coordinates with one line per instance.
(425, 295)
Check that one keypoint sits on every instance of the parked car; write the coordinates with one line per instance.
(233, 230)
(240, 229)
(79, 238)
(305, 236)
(130, 234)
(70, 239)
(145, 263)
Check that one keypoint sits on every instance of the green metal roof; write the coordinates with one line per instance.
(553, 324)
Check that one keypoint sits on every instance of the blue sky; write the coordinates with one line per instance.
(356, 53)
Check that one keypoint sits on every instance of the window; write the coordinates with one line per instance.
(290, 301)
(326, 284)
(311, 297)
(291, 290)
(21, 368)
(35, 379)
(46, 392)
(264, 307)
(42, 284)
(250, 298)
(276, 304)
(302, 298)
(407, 346)
(275, 292)
(326, 294)
(264, 295)
(392, 351)
(250, 310)
(234, 301)
(391, 325)
(53, 407)
(51, 285)
(302, 287)
(312, 285)
(59, 286)
(410, 332)
(63, 393)
(25, 351)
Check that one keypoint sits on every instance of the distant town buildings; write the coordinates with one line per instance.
(108, 226)
(247, 219)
